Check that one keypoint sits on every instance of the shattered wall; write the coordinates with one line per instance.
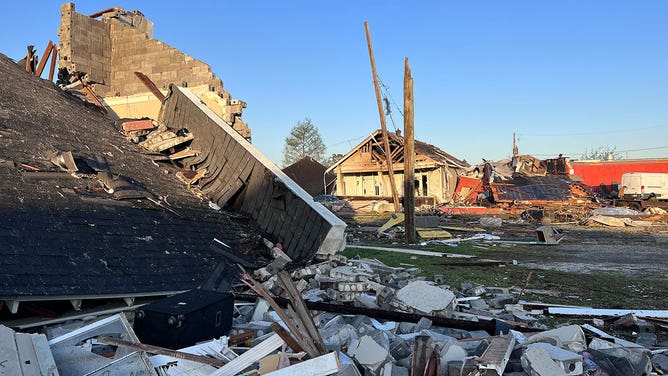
(85, 45)
(107, 53)
(239, 176)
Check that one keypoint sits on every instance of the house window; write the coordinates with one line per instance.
(377, 191)
(424, 185)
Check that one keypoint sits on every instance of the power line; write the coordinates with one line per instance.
(616, 151)
(344, 141)
(626, 130)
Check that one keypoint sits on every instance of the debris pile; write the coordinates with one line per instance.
(476, 330)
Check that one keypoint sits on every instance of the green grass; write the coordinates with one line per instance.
(598, 290)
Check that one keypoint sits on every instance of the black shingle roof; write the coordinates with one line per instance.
(64, 236)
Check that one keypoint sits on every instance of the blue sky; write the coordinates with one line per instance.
(567, 76)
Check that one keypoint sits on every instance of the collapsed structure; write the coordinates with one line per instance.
(362, 172)
(111, 220)
(116, 56)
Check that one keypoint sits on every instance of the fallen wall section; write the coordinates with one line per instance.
(239, 176)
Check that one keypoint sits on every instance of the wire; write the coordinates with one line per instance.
(344, 141)
(616, 151)
(626, 130)
(387, 91)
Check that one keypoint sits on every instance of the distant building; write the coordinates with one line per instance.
(362, 172)
(308, 173)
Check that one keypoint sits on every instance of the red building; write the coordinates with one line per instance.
(595, 173)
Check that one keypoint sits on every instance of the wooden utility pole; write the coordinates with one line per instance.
(409, 156)
(386, 141)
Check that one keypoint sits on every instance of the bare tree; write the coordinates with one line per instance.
(303, 141)
(602, 153)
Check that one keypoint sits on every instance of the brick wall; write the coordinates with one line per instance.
(132, 50)
(85, 45)
(110, 49)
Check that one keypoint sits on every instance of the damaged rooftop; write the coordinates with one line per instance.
(144, 232)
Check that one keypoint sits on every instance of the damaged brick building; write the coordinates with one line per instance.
(111, 50)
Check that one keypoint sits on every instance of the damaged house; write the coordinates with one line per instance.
(97, 210)
(521, 184)
(362, 173)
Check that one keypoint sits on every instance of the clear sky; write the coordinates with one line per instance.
(567, 76)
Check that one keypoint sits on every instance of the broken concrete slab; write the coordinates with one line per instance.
(537, 362)
(424, 297)
(570, 362)
(570, 337)
(368, 353)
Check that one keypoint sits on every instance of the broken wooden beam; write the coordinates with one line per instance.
(287, 337)
(150, 85)
(45, 57)
(160, 350)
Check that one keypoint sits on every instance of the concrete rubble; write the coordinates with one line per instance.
(496, 335)
(307, 310)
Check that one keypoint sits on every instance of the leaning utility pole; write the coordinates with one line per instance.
(386, 142)
(409, 156)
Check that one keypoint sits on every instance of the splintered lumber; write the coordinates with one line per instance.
(161, 350)
(421, 355)
(301, 310)
(287, 337)
(305, 343)
(251, 356)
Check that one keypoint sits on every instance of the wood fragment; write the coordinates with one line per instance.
(297, 334)
(287, 337)
(161, 350)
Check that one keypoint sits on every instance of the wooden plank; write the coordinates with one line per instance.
(421, 355)
(324, 365)
(302, 311)
(216, 159)
(160, 350)
(251, 356)
(287, 337)
(307, 236)
(9, 357)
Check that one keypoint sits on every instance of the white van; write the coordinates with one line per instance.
(644, 186)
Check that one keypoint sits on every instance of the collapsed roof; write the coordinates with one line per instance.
(436, 154)
(63, 235)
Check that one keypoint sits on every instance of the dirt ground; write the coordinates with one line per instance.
(593, 266)
(632, 251)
